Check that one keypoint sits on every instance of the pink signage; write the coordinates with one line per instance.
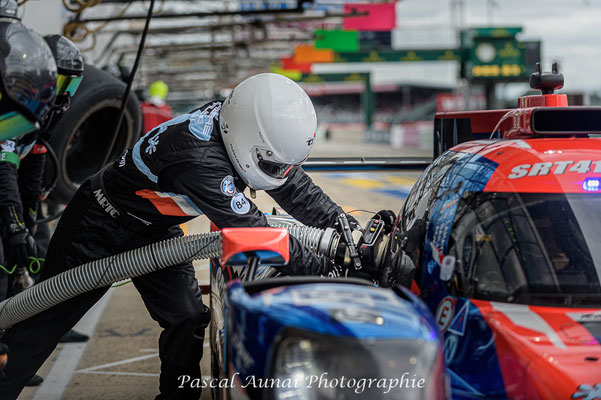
(382, 17)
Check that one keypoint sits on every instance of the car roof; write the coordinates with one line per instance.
(542, 165)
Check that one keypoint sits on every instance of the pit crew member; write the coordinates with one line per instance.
(197, 163)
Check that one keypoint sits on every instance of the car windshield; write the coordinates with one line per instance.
(533, 248)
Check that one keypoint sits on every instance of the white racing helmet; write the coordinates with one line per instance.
(268, 125)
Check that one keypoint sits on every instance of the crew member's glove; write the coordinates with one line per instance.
(30, 214)
(373, 246)
(19, 244)
(403, 255)
(22, 252)
(412, 240)
(20, 247)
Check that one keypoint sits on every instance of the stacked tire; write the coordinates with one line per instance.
(82, 136)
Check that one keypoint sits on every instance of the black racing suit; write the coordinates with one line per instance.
(21, 172)
(175, 172)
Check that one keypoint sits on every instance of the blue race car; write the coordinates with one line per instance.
(315, 338)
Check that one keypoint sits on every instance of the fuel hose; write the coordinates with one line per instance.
(130, 264)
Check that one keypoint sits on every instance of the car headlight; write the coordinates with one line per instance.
(308, 366)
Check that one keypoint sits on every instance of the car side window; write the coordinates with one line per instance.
(418, 203)
(409, 209)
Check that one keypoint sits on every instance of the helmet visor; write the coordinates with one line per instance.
(67, 84)
(275, 169)
(28, 70)
(14, 125)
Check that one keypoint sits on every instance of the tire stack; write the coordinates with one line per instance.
(83, 134)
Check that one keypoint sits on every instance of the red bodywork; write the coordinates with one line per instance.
(544, 352)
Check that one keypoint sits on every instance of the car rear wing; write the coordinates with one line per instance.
(544, 115)
(338, 164)
(453, 128)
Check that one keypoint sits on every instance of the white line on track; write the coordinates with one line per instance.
(154, 352)
(117, 373)
(115, 363)
(128, 373)
(67, 360)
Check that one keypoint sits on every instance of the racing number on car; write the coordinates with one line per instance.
(444, 313)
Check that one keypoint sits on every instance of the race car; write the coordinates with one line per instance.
(504, 230)
(313, 337)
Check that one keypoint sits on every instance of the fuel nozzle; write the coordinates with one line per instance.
(347, 235)
(363, 257)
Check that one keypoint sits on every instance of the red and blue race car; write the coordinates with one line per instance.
(505, 231)
(502, 230)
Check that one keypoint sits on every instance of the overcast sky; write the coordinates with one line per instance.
(570, 31)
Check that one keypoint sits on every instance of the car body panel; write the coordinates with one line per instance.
(332, 309)
(534, 339)
(249, 323)
(506, 350)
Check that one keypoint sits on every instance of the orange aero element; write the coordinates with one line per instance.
(241, 240)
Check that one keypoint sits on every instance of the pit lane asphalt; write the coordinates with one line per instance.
(121, 359)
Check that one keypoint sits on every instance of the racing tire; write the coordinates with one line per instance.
(215, 391)
(83, 134)
(215, 371)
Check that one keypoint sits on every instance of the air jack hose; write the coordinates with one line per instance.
(134, 263)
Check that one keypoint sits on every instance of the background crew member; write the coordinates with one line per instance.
(28, 77)
(154, 109)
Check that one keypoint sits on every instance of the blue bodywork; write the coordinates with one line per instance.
(250, 320)
(256, 321)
